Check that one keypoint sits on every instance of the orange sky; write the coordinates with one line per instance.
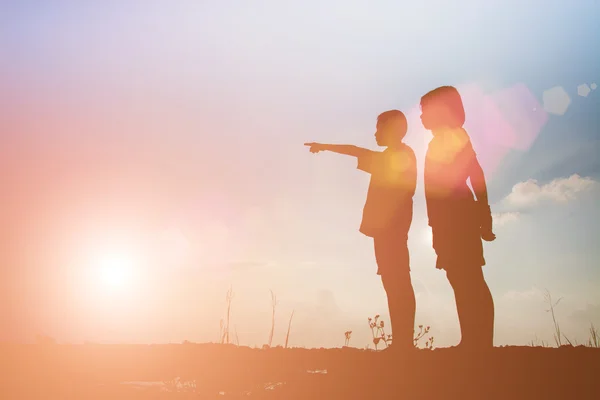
(171, 136)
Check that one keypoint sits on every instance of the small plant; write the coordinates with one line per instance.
(287, 335)
(224, 327)
(594, 340)
(421, 334)
(537, 342)
(221, 335)
(273, 305)
(377, 330)
(557, 332)
(347, 335)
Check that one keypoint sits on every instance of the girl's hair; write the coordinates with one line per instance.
(449, 97)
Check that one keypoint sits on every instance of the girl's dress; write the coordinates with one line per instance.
(451, 205)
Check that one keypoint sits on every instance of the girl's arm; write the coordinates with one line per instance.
(346, 149)
(480, 189)
(478, 182)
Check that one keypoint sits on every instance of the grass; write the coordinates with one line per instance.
(558, 335)
(224, 325)
(273, 306)
(381, 338)
(594, 340)
(209, 370)
(287, 335)
(376, 325)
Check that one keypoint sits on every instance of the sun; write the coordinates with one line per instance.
(115, 269)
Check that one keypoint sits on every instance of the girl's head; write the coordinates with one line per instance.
(442, 108)
(391, 128)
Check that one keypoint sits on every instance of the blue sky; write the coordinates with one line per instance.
(135, 118)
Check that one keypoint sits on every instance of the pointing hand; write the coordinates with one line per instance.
(314, 147)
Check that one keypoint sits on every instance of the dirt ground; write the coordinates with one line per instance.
(211, 371)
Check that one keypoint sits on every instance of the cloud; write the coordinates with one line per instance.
(504, 218)
(593, 86)
(561, 190)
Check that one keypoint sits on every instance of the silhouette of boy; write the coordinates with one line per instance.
(458, 221)
(387, 215)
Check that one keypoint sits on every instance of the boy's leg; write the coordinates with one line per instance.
(402, 307)
(475, 307)
(393, 266)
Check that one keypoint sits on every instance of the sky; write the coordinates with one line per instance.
(151, 157)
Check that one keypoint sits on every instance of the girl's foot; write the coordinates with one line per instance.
(397, 349)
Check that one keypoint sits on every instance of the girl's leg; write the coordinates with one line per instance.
(462, 299)
(485, 313)
(475, 307)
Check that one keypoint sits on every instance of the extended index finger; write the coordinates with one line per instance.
(309, 144)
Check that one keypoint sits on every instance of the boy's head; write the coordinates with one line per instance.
(391, 128)
(442, 108)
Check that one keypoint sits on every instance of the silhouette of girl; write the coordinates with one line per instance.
(458, 221)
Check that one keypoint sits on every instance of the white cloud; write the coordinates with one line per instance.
(505, 217)
(560, 190)
(593, 86)
(583, 90)
(556, 100)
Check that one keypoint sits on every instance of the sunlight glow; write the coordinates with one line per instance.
(115, 269)
(175, 246)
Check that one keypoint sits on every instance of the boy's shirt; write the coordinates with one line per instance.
(389, 205)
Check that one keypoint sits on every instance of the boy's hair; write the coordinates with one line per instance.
(450, 98)
(397, 116)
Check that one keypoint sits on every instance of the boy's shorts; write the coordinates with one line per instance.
(391, 253)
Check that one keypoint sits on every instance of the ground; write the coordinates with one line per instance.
(211, 371)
